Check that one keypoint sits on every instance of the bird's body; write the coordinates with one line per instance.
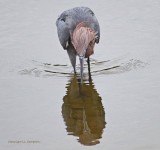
(78, 30)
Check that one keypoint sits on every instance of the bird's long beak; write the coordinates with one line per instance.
(81, 59)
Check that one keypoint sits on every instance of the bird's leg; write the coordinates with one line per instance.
(89, 69)
(72, 57)
(88, 62)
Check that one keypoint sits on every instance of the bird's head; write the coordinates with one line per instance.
(83, 40)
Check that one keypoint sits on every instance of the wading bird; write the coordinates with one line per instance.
(78, 31)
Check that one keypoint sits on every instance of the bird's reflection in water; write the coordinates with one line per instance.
(83, 112)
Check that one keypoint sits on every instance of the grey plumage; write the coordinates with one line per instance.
(68, 20)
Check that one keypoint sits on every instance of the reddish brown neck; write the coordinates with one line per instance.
(83, 40)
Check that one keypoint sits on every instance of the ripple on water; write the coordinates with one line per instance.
(115, 66)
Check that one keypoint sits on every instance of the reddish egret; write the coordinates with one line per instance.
(78, 31)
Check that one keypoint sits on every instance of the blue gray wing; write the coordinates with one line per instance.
(63, 31)
(92, 21)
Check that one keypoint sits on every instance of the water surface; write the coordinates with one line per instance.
(42, 104)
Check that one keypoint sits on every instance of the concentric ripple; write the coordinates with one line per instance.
(115, 66)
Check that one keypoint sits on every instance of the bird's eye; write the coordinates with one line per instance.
(92, 13)
(63, 19)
